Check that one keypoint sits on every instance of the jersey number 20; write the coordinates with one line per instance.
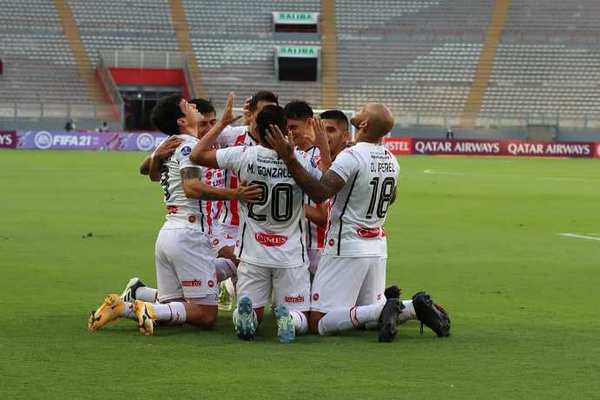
(281, 195)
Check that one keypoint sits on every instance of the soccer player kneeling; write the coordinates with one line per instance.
(271, 246)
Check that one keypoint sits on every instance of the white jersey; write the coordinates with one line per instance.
(232, 136)
(271, 230)
(359, 209)
(315, 234)
(181, 209)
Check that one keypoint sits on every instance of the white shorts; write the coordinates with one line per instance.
(314, 255)
(348, 282)
(223, 235)
(288, 286)
(185, 266)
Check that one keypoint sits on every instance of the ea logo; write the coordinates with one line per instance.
(43, 140)
(145, 142)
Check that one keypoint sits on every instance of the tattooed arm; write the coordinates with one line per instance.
(194, 188)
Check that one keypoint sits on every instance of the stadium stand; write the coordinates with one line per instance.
(420, 57)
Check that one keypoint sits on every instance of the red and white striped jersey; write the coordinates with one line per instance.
(212, 208)
(315, 234)
(232, 136)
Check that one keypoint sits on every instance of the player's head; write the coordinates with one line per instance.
(208, 115)
(299, 115)
(270, 115)
(373, 122)
(257, 102)
(337, 127)
(173, 115)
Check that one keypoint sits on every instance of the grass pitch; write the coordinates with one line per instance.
(480, 234)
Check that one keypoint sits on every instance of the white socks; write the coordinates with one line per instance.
(347, 318)
(225, 268)
(300, 322)
(408, 312)
(146, 294)
(128, 312)
(172, 312)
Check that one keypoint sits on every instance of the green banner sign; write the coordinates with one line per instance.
(298, 51)
(294, 17)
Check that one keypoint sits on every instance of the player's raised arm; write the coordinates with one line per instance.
(203, 153)
(317, 190)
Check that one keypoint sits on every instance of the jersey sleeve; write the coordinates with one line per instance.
(345, 164)
(231, 158)
(228, 136)
(182, 155)
(309, 163)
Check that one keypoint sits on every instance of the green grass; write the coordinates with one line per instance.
(479, 233)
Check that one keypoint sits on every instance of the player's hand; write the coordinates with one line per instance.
(246, 110)
(321, 140)
(167, 148)
(283, 145)
(249, 193)
(228, 117)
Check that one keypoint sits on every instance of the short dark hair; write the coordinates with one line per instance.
(203, 106)
(263, 95)
(298, 109)
(336, 115)
(270, 115)
(165, 114)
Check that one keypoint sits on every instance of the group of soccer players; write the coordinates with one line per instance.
(286, 208)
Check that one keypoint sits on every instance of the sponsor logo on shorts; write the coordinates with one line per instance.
(270, 240)
(294, 299)
(368, 233)
(316, 296)
(379, 297)
(331, 242)
(192, 218)
(211, 284)
(215, 242)
(192, 283)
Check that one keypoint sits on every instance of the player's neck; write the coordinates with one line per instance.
(190, 131)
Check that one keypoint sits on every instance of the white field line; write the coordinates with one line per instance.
(543, 178)
(576, 236)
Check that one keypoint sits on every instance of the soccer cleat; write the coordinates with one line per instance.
(128, 294)
(110, 310)
(244, 319)
(390, 314)
(430, 314)
(225, 299)
(286, 332)
(145, 315)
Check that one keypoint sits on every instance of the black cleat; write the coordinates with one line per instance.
(389, 315)
(432, 315)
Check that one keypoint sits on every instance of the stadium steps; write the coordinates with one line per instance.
(329, 71)
(185, 45)
(486, 64)
(86, 70)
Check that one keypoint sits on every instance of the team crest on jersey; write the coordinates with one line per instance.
(270, 240)
(186, 150)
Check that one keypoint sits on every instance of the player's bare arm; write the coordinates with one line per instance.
(160, 155)
(317, 215)
(317, 190)
(194, 188)
(322, 143)
(203, 153)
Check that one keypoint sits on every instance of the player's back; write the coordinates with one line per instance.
(271, 230)
(359, 210)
